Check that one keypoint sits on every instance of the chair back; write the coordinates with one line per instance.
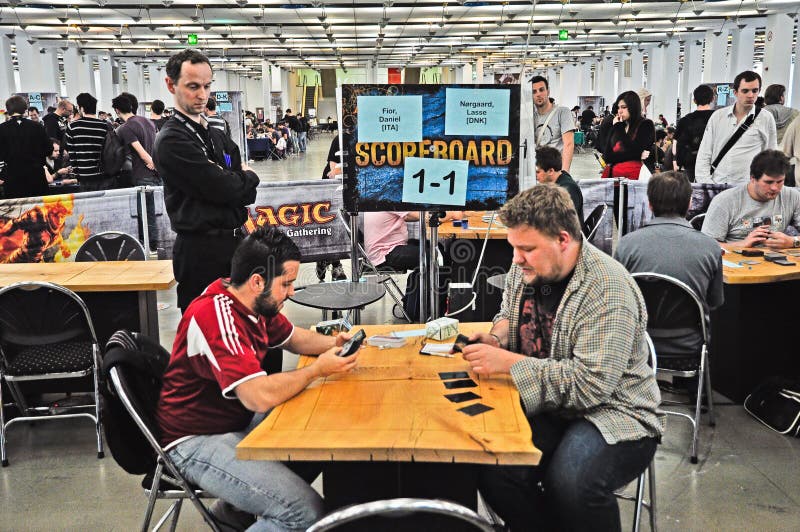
(134, 366)
(110, 246)
(697, 221)
(593, 221)
(41, 313)
(677, 319)
(403, 508)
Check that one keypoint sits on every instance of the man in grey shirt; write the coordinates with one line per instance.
(553, 125)
(759, 212)
(669, 245)
(761, 135)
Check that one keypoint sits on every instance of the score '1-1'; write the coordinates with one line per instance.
(451, 177)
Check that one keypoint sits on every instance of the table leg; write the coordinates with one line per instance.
(148, 314)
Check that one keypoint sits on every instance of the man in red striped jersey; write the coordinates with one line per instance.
(214, 383)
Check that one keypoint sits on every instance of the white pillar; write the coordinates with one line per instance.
(605, 79)
(793, 98)
(266, 86)
(692, 74)
(50, 77)
(106, 90)
(743, 48)
(479, 70)
(585, 87)
(568, 86)
(30, 67)
(667, 89)
(778, 50)
(372, 75)
(715, 59)
(7, 83)
(135, 80)
(78, 73)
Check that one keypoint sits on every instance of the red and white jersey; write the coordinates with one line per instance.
(220, 344)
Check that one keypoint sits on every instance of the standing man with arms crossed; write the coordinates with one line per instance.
(583, 372)
(206, 189)
(759, 135)
(553, 125)
(214, 385)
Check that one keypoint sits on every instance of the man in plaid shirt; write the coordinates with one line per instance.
(571, 333)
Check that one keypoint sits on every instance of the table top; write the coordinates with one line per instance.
(112, 276)
(392, 408)
(763, 272)
(339, 295)
(476, 229)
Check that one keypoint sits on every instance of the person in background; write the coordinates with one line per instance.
(553, 125)
(216, 121)
(332, 170)
(24, 147)
(55, 169)
(631, 139)
(774, 100)
(663, 121)
(157, 114)
(55, 123)
(85, 138)
(690, 130)
(33, 115)
(548, 170)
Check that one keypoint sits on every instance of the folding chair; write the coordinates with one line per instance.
(122, 371)
(697, 221)
(383, 275)
(110, 246)
(592, 221)
(46, 334)
(678, 323)
(401, 509)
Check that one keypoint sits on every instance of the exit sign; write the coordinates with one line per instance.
(191, 39)
(563, 35)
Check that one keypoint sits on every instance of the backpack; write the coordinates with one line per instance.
(145, 362)
(776, 403)
(115, 159)
(693, 128)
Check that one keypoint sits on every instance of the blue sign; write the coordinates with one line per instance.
(390, 118)
(435, 181)
(35, 100)
(221, 96)
(476, 112)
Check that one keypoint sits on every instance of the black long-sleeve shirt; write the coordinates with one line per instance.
(628, 145)
(201, 192)
(24, 146)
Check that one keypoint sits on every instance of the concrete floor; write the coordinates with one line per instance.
(748, 478)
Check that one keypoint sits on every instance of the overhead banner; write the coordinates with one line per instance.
(639, 212)
(430, 147)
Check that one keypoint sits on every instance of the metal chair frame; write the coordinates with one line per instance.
(589, 232)
(171, 475)
(703, 372)
(699, 219)
(44, 414)
(399, 508)
(85, 252)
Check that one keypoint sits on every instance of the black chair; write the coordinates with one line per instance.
(697, 221)
(592, 221)
(403, 509)
(108, 246)
(46, 334)
(166, 482)
(678, 323)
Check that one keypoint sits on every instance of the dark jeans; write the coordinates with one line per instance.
(573, 486)
(199, 260)
(403, 258)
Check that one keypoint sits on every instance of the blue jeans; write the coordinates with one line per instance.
(301, 140)
(573, 486)
(282, 500)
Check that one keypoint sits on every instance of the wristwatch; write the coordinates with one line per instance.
(796, 242)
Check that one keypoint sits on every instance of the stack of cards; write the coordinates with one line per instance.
(460, 379)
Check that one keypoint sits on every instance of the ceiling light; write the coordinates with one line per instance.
(635, 12)
(206, 27)
(282, 40)
(136, 19)
(195, 18)
(84, 28)
(241, 3)
(167, 3)
(741, 26)
(63, 20)
(717, 33)
(698, 11)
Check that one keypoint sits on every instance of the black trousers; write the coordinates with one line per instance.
(199, 260)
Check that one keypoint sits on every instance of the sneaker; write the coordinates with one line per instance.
(229, 517)
(338, 273)
(322, 268)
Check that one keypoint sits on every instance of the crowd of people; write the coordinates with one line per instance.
(288, 135)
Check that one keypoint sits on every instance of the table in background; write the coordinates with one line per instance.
(123, 283)
(386, 430)
(464, 249)
(752, 332)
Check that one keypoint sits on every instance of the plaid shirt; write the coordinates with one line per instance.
(598, 366)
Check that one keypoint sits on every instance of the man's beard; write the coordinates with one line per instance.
(265, 305)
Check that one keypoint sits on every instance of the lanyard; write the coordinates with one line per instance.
(209, 150)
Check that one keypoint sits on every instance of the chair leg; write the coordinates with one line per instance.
(697, 408)
(3, 456)
(175, 515)
(638, 503)
(651, 478)
(712, 420)
(98, 425)
(151, 501)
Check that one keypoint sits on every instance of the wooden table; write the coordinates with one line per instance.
(476, 229)
(751, 333)
(389, 425)
(140, 277)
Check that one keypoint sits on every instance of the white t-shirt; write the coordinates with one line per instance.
(384, 231)
(561, 122)
(733, 213)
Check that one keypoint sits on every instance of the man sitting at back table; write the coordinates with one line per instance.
(583, 372)
(757, 213)
(548, 170)
(668, 244)
(214, 383)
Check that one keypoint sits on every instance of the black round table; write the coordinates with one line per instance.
(339, 295)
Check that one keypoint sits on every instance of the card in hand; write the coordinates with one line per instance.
(448, 375)
(463, 383)
(461, 397)
(474, 410)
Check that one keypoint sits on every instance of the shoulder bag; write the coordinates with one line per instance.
(734, 139)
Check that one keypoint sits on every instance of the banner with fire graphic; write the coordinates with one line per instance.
(52, 228)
